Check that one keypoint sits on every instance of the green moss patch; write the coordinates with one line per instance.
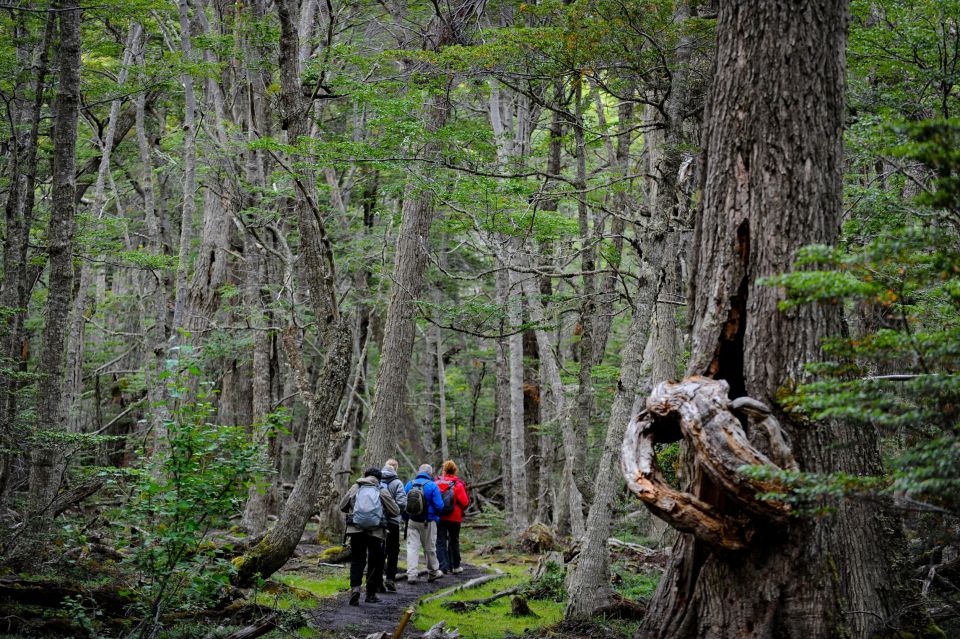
(319, 586)
(494, 620)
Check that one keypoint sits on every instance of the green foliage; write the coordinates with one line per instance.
(193, 481)
(900, 370)
(635, 585)
(551, 586)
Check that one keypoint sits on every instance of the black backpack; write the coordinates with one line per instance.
(416, 502)
(446, 492)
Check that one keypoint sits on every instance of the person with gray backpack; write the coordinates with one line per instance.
(368, 507)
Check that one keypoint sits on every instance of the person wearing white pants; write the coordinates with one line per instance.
(422, 534)
(424, 506)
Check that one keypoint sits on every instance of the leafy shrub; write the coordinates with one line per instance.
(189, 485)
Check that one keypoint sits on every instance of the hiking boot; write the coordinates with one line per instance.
(371, 597)
(390, 586)
(457, 570)
(435, 575)
(411, 580)
(355, 598)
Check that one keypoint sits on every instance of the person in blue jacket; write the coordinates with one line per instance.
(424, 505)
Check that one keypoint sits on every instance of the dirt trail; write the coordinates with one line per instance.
(368, 618)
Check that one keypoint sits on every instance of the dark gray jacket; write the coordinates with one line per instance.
(393, 484)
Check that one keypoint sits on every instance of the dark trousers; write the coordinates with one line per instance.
(366, 551)
(448, 545)
(392, 546)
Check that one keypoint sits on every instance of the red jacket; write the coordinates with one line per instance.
(460, 499)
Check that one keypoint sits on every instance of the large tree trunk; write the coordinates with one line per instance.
(410, 262)
(772, 185)
(399, 331)
(46, 464)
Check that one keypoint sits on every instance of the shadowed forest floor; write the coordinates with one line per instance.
(368, 618)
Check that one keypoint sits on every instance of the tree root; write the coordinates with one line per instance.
(699, 411)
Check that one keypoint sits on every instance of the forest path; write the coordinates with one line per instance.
(368, 618)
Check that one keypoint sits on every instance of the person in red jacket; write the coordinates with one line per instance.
(448, 531)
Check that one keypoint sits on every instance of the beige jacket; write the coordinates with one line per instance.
(390, 507)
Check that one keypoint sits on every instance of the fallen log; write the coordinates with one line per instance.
(50, 594)
(253, 631)
(467, 605)
(613, 542)
(621, 608)
(473, 583)
(75, 495)
(439, 631)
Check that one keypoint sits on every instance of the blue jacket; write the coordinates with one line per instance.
(431, 494)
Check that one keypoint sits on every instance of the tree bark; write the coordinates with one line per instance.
(413, 243)
(189, 175)
(772, 185)
(588, 584)
(520, 497)
(86, 296)
(46, 467)
(554, 400)
(502, 388)
(18, 214)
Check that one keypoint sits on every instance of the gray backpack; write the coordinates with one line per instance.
(367, 509)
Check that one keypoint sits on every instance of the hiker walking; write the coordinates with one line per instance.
(368, 506)
(455, 501)
(422, 513)
(390, 481)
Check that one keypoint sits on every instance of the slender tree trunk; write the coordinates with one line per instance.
(86, 295)
(399, 332)
(157, 333)
(257, 273)
(502, 390)
(189, 176)
(588, 584)
(520, 502)
(410, 262)
(772, 185)
(322, 402)
(442, 399)
(554, 398)
(46, 461)
(588, 346)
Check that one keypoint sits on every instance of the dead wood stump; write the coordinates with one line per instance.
(520, 608)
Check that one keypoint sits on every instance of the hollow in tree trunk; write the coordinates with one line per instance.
(772, 185)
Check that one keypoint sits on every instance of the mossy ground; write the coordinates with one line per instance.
(492, 621)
